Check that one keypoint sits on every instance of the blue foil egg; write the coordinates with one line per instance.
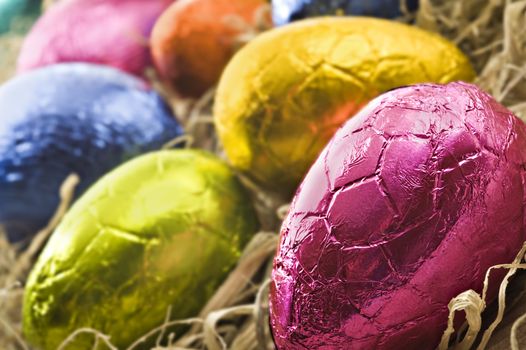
(70, 118)
(286, 11)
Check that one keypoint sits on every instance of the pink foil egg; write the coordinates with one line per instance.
(408, 206)
(109, 32)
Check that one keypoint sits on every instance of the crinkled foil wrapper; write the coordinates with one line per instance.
(408, 206)
(109, 32)
(161, 230)
(286, 11)
(284, 95)
(70, 118)
(193, 41)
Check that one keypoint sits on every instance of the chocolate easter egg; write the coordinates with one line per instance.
(286, 11)
(109, 32)
(160, 231)
(70, 118)
(408, 206)
(282, 96)
(193, 40)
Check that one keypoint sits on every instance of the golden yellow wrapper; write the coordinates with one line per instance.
(161, 230)
(282, 96)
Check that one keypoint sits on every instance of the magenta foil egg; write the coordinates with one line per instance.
(407, 206)
(109, 32)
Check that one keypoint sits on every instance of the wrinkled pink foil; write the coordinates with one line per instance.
(408, 206)
(109, 32)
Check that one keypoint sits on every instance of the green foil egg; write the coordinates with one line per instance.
(161, 230)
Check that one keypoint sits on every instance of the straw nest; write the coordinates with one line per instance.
(491, 32)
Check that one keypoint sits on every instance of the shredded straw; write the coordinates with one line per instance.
(491, 32)
(473, 304)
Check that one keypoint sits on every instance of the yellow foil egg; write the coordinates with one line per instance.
(282, 96)
(161, 230)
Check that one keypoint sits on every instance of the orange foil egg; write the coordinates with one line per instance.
(194, 40)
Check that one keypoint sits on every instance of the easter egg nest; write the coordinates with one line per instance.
(491, 33)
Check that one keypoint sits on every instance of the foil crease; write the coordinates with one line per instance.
(286, 11)
(70, 118)
(408, 206)
(284, 95)
(162, 230)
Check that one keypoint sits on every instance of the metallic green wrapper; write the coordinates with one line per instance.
(161, 230)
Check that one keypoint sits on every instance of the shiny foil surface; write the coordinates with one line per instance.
(70, 118)
(193, 41)
(408, 206)
(162, 230)
(286, 11)
(284, 95)
(109, 32)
